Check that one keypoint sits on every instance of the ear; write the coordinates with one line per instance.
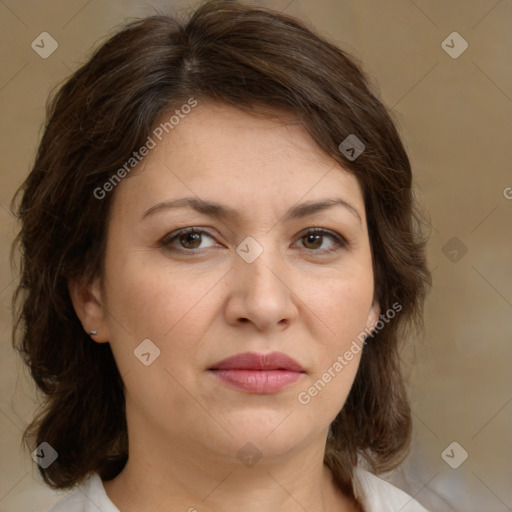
(373, 315)
(87, 302)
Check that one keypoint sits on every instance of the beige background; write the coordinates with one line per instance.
(456, 119)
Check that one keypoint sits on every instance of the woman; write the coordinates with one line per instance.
(220, 255)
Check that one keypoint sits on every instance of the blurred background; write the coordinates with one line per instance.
(445, 70)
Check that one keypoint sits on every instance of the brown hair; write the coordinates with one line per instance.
(257, 60)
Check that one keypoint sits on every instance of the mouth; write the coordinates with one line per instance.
(258, 373)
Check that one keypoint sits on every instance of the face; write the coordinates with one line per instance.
(281, 263)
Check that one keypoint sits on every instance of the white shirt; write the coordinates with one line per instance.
(376, 494)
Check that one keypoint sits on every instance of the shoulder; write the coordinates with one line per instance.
(378, 495)
(89, 496)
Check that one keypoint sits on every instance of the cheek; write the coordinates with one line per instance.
(173, 310)
(148, 300)
(343, 309)
(343, 305)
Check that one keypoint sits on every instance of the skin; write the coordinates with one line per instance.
(185, 426)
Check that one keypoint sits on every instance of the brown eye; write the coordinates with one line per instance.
(314, 239)
(189, 239)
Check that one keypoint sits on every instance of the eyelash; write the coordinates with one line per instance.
(340, 241)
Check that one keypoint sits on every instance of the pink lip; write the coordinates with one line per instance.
(258, 373)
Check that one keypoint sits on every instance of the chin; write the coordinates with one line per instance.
(258, 438)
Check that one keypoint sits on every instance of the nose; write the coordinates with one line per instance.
(262, 293)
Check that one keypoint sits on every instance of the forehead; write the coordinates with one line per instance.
(225, 154)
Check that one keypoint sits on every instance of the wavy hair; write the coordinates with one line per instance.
(257, 60)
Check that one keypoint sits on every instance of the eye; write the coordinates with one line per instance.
(314, 238)
(189, 239)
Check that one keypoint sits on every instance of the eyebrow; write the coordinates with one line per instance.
(223, 212)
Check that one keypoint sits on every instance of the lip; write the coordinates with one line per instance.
(258, 373)
(255, 361)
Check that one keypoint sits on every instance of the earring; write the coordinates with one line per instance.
(93, 333)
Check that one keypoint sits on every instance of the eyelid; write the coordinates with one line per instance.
(323, 231)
